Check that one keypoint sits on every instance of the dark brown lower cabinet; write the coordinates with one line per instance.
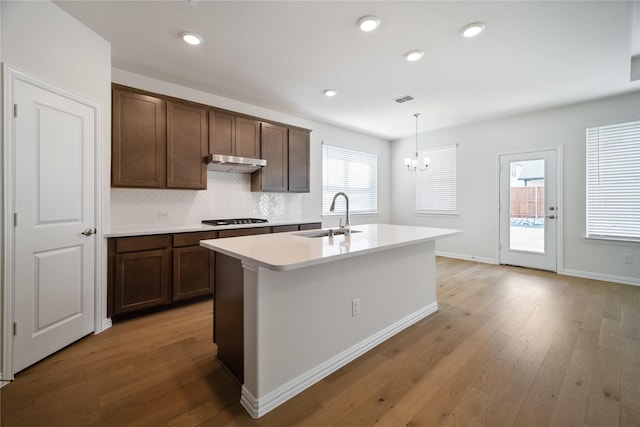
(150, 271)
(142, 280)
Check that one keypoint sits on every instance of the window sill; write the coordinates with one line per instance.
(612, 240)
(351, 214)
(434, 213)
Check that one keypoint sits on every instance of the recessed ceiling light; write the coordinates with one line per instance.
(472, 30)
(191, 38)
(413, 55)
(330, 92)
(368, 23)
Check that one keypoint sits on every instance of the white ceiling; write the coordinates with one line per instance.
(282, 55)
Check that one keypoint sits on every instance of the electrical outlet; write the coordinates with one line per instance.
(355, 307)
(627, 258)
(163, 214)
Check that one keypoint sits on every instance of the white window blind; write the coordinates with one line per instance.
(613, 181)
(436, 187)
(353, 172)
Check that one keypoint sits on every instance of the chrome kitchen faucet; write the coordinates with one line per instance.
(346, 228)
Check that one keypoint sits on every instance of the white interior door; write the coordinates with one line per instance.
(528, 210)
(53, 146)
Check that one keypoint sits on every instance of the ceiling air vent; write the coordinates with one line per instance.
(404, 99)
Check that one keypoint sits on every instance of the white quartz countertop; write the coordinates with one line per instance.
(157, 229)
(288, 251)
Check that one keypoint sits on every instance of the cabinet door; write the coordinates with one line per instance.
(192, 272)
(141, 280)
(247, 138)
(274, 146)
(299, 161)
(187, 146)
(138, 141)
(222, 133)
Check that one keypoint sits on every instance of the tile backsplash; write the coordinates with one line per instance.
(228, 195)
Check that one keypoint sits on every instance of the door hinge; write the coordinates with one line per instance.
(15, 328)
(15, 110)
(15, 219)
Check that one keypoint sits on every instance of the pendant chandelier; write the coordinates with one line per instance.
(416, 164)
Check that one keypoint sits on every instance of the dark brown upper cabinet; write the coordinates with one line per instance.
(162, 142)
(187, 146)
(274, 144)
(299, 144)
(139, 144)
(233, 135)
(158, 143)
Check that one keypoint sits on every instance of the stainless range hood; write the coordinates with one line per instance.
(222, 163)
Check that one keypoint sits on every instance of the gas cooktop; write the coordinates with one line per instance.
(234, 221)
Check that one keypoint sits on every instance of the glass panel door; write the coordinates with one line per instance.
(528, 210)
(526, 206)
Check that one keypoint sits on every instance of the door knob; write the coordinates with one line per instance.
(551, 216)
(551, 208)
(89, 231)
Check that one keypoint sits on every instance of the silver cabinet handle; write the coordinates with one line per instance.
(89, 231)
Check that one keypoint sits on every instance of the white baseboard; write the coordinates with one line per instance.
(106, 324)
(565, 271)
(598, 276)
(466, 257)
(257, 407)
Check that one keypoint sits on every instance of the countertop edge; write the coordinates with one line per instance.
(323, 260)
(131, 232)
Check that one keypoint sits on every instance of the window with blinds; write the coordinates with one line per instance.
(613, 181)
(353, 172)
(436, 187)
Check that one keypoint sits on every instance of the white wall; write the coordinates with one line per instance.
(43, 40)
(187, 207)
(478, 147)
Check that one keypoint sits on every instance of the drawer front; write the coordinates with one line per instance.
(285, 228)
(142, 243)
(310, 226)
(193, 239)
(244, 232)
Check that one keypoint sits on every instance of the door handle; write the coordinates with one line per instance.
(89, 231)
(551, 216)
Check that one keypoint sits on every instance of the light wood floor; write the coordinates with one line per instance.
(509, 346)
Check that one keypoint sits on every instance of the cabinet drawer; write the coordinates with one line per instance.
(244, 232)
(285, 228)
(192, 239)
(310, 226)
(142, 243)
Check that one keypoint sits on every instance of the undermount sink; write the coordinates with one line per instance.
(325, 233)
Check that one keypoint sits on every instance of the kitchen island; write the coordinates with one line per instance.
(311, 303)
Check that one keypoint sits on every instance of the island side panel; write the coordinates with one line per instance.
(228, 322)
(299, 325)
